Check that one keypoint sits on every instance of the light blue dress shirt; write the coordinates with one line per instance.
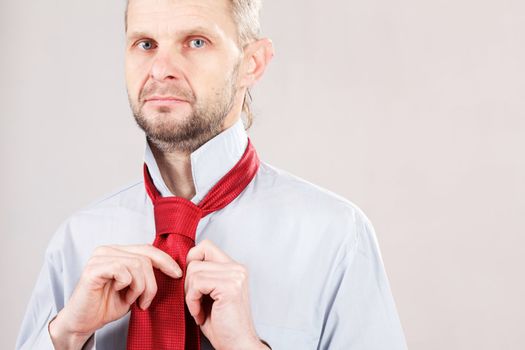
(317, 279)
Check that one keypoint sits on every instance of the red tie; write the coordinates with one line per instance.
(167, 323)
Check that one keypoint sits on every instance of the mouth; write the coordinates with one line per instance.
(164, 100)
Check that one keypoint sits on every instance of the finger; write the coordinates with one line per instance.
(199, 286)
(125, 272)
(150, 283)
(101, 270)
(196, 266)
(159, 259)
(122, 280)
(207, 251)
(220, 288)
(143, 286)
(138, 282)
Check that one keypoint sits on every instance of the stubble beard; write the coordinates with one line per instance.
(204, 122)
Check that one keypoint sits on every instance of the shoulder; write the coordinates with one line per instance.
(290, 188)
(124, 196)
(329, 213)
(94, 220)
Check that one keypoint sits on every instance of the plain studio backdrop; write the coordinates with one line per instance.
(414, 110)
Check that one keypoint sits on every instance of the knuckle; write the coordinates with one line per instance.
(136, 263)
(141, 285)
(117, 265)
(239, 278)
(121, 266)
(192, 280)
(243, 271)
(145, 261)
(235, 285)
(191, 267)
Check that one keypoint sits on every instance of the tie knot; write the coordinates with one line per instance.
(176, 215)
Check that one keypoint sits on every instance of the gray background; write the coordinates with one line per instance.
(412, 109)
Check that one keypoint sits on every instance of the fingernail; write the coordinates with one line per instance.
(178, 273)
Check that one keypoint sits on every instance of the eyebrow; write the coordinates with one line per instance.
(199, 30)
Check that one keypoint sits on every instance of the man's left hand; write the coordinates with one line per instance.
(217, 297)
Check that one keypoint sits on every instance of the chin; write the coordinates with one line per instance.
(163, 115)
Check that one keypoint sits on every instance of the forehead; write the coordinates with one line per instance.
(171, 16)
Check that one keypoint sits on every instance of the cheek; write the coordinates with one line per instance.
(136, 73)
(208, 77)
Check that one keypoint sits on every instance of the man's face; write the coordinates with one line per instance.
(182, 61)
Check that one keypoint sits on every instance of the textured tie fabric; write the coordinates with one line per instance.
(167, 323)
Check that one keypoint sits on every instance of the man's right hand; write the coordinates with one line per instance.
(113, 279)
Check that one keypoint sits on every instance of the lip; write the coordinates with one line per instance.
(166, 99)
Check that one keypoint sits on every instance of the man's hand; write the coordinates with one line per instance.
(217, 297)
(113, 279)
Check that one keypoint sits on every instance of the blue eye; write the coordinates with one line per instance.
(197, 43)
(145, 45)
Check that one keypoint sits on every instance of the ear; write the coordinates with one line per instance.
(257, 56)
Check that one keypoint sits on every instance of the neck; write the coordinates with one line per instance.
(175, 167)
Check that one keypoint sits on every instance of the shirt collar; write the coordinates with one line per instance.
(209, 163)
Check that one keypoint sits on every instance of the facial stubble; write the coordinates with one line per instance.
(187, 133)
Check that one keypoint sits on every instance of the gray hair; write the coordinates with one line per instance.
(246, 16)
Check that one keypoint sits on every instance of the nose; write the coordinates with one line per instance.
(165, 66)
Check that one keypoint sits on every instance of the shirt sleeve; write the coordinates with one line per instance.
(46, 300)
(361, 313)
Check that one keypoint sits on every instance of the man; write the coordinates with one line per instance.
(280, 264)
